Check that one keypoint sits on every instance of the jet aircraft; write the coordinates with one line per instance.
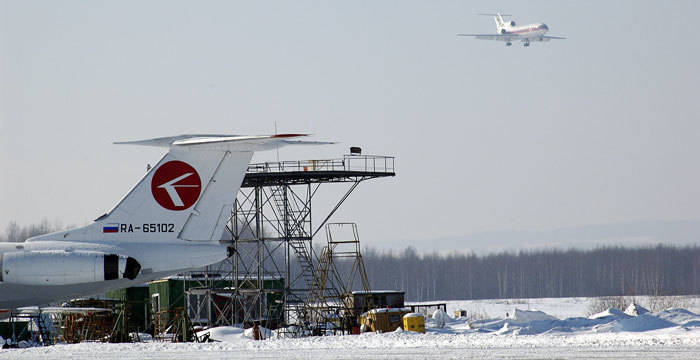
(171, 221)
(509, 32)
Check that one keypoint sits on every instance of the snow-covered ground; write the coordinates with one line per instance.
(534, 329)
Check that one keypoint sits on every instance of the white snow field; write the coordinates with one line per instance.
(534, 329)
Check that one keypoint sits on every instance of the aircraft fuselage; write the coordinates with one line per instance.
(527, 31)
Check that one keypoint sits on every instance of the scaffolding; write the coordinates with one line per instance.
(272, 237)
(33, 325)
(341, 256)
(75, 321)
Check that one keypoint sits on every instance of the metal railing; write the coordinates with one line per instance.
(364, 163)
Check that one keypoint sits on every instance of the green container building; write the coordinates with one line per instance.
(159, 302)
(137, 302)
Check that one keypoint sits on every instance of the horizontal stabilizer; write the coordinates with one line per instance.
(225, 142)
(169, 140)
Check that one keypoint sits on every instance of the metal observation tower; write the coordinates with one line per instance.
(280, 274)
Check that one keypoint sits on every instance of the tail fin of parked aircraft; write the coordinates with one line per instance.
(188, 195)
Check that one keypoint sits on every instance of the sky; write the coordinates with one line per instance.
(492, 143)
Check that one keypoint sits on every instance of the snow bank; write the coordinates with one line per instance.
(530, 315)
(224, 333)
(528, 322)
(265, 333)
(635, 310)
(412, 315)
(441, 318)
(679, 316)
(610, 313)
(644, 322)
(387, 310)
(233, 334)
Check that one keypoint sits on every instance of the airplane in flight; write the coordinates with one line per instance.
(509, 32)
(171, 221)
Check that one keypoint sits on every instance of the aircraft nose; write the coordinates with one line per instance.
(544, 27)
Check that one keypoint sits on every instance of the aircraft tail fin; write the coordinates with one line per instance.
(498, 18)
(188, 195)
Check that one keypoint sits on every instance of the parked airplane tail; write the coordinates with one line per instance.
(188, 195)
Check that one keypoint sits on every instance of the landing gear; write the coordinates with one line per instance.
(526, 44)
(509, 43)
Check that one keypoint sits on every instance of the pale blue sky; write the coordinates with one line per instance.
(601, 128)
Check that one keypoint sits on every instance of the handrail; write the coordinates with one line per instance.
(364, 163)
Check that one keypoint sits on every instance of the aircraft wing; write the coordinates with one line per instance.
(60, 310)
(506, 37)
(547, 38)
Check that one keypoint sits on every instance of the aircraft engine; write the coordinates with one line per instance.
(503, 31)
(512, 23)
(65, 267)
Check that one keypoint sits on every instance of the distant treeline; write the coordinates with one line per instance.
(606, 271)
(16, 233)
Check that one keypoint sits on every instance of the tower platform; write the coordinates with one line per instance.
(351, 168)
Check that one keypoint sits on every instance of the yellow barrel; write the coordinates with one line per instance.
(414, 322)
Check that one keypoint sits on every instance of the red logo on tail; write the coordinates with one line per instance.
(176, 185)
